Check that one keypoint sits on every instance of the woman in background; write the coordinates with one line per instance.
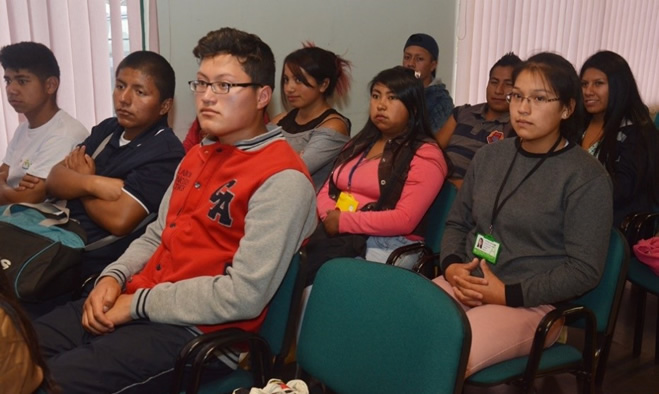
(620, 133)
(313, 128)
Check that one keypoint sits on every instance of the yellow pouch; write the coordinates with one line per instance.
(346, 202)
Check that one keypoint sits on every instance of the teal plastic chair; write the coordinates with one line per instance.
(373, 328)
(644, 280)
(428, 262)
(268, 348)
(595, 312)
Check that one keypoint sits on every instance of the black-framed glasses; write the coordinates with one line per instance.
(219, 87)
(533, 100)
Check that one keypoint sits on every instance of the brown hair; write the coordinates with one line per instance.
(22, 323)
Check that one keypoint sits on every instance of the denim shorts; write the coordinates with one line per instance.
(378, 249)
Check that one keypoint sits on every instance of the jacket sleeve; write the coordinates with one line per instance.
(281, 214)
(631, 158)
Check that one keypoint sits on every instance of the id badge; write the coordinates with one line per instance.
(486, 247)
(346, 202)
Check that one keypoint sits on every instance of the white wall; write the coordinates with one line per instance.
(370, 33)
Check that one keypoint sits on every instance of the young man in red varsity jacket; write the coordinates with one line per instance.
(240, 206)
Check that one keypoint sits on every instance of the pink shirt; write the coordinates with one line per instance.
(426, 176)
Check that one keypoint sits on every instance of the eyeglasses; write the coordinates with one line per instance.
(533, 100)
(220, 87)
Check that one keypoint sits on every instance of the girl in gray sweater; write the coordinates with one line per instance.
(530, 226)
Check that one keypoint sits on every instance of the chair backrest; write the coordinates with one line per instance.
(276, 332)
(279, 324)
(437, 215)
(376, 328)
(604, 299)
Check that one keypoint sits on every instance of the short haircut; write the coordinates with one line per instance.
(507, 60)
(31, 56)
(154, 65)
(255, 55)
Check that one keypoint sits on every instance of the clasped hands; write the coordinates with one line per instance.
(106, 307)
(472, 290)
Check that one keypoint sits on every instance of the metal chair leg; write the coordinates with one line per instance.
(600, 369)
(656, 337)
(640, 321)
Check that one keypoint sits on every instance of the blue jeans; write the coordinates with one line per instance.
(138, 357)
(378, 249)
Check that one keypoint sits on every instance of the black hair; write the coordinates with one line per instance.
(255, 55)
(564, 81)
(154, 65)
(410, 91)
(507, 60)
(625, 104)
(321, 64)
(31, 56)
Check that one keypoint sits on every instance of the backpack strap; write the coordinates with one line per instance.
(54, 214)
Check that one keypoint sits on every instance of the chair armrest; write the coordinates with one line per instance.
(407, 249)
(205, 346)
(626, 223)
(425, 263)
(570, 313)
(639, 225)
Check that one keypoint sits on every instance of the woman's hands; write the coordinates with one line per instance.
(474, 291)
(331, 222)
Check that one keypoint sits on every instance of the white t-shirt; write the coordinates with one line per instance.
(36, 151)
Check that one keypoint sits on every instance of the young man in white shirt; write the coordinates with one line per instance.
(31, 75)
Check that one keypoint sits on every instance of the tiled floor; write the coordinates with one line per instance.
(624, 374)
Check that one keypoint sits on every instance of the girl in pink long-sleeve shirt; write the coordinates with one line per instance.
(385, 179)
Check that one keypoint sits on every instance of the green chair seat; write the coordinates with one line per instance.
(557, 356)
(641, 275)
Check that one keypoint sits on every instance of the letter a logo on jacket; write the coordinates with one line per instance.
(222, 197)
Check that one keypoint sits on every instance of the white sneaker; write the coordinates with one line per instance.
(276, 386)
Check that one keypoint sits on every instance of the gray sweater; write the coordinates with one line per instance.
(554, 230)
